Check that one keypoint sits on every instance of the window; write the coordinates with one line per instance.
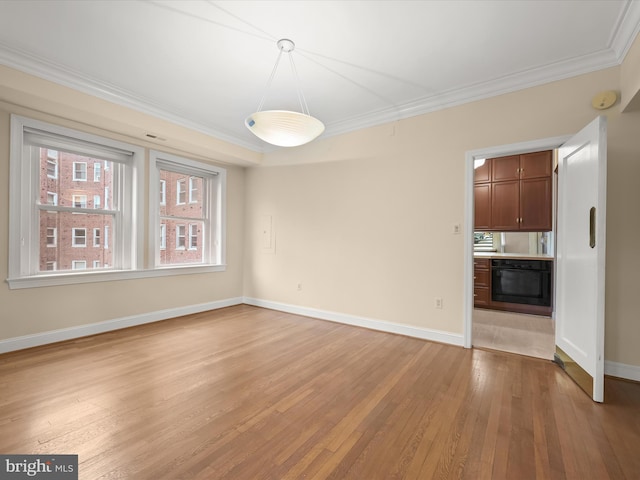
(46, 211)
(78, 265)
(79, 201)
(96, 264)
(52, 163)
(197, 226)
(181, 238)
(193, 236)
(163, 236)
(97, 171)
(50, 266)
(163, 192)
(80, 171)
(181, 190)
(52, 236)
(193, 189)
(79, 237)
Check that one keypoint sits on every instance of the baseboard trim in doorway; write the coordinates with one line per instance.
(53, 336)
(621, 370)
(372, 324)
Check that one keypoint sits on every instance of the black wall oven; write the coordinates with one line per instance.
(521, 281)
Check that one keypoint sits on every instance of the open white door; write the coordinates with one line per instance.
(582, 189)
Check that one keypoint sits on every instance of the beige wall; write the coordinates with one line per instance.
(39, 310)
(358, 217)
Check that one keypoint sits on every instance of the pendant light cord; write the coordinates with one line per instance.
(273, 73)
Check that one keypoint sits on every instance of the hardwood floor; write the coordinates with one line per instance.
(249, 393)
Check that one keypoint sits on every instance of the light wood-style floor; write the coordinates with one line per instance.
(530, 335)
(247, 393)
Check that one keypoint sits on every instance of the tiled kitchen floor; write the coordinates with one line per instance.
(529, 335)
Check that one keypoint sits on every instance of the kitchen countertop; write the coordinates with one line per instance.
(518, 256)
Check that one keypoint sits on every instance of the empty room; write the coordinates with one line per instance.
(319, 239)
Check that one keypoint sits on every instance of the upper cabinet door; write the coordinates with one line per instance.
(482, 173)
(535, 165)
(505, 168)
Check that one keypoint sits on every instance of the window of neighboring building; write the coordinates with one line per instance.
(163, 236)
(50, 266)
(52, 198)
(193, 189)
(181, 237)
(52, 236)
(163, 192)
(80, 171)
(42, 205)
(96, 264)
(79, 201)
(97, 171)
(79, 237)
(96, 237)
(181, 189)
(196, 226)
(78, 265)
(193, 236)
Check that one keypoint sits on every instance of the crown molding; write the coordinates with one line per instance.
(61, 75)
(627, 29)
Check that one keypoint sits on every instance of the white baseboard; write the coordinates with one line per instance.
(621, 370)
(28, 341)
(383, 326)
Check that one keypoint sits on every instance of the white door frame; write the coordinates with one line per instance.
(490, 152)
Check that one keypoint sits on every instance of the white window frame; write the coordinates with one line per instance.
(54, 197)
(181, 189)
(75, 237)
(213, 197)
(163, 192)
(163, 236)
(190, 244)
(53, 264)
(192, 190)
(96, 237)
(79, 201)
(75, 264)
(97, 171)
(54, 236)
(96, 264)
(54, 162)
(181, 236)
(96, 201)
(24, 232)
(75, 172)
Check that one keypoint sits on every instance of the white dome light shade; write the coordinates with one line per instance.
(284, 128)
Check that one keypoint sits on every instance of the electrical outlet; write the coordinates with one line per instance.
(456, 229)
(438, 302)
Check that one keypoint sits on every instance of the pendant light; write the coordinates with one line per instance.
(285, 128)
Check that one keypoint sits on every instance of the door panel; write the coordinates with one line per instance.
(580, 299)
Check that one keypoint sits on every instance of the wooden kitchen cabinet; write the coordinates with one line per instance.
(482, 209)
(514, 193)
(481, 282)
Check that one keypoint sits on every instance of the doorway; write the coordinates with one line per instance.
(517, 333)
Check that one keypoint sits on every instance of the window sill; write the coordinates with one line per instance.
(108, 276)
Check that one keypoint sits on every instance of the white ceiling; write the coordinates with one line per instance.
(205, 64)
